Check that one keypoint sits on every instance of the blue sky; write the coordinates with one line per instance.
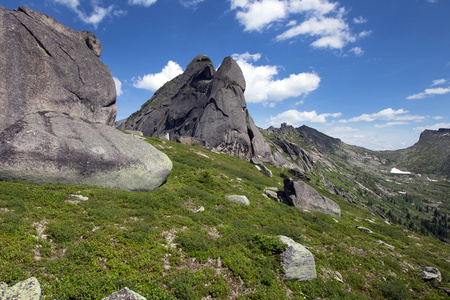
(374, 73)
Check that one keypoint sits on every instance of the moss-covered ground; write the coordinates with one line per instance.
(157, 245)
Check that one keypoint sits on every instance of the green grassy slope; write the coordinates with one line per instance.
(153, 242)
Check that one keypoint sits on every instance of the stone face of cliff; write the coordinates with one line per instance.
(46, 66)
(57, 108)
(207, 105)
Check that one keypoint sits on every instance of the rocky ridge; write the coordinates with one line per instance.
(207, 106)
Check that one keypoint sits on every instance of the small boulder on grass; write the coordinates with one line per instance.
(431, 273)
(238, 199)
(124, 294)
(297, 261)
(29, 289)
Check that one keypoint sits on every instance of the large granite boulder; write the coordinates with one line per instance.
(57, 108)
(49, 147)
(29, 289)
(46, 66)
(297, 261)
(300, 194)
(207, 105)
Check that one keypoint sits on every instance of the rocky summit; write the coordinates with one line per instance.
(57, 105)
(207, 105)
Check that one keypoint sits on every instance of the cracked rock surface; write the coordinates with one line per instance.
(207, 105)
(46, 66)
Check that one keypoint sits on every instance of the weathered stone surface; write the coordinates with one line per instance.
(297, 261)
(29, 289)
(238, 199)
(52, 147)
(431, 273)
(207, 105)
(364, 229)
(125, 294)
(261, 167)
(46, 66)
(300, 194)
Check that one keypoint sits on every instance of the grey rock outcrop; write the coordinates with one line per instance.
(207, 105)
(46, 66)
(297, 261)
(364, 229)
(431, 273)
(49, 147)
(29, 289)
(125, 294)
(240, 199)
(300, 194)
(57, 109)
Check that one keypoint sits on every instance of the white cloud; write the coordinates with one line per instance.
(99, 13)
(390, 124)
(365, 33)
(429, 93)
(387, 114)
(432, 127)
(295, 117)
(357, 51)
(321, 20)
(153, 82)
(190, 3)
(359, 20)
(118, 85)
(262, 86)
(145, 3)
(439, 82)
(256, 15)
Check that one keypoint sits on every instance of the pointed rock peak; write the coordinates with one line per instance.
(201, 64)
(230, 70)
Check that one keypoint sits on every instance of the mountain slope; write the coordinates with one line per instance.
(162, 246)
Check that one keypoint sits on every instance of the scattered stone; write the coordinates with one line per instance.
(431, 273)
(445, 289)
(29, 289)
(272, 193)
(386, 245)
(300, 194)
(238, 199)
(79, 197)
(198, 210)
(297, 261)
(261, 167)
(364, 229)
(125, 294)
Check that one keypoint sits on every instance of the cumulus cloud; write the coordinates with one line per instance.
(262, 85)
(429, 93)
(295, 117)
(145, 3)
(118, 85)
(439, 82)
(357, 51)
(98, 14)
(153, 82)
(359, 20)
(321, 20)
(387, 114)
(432, 127)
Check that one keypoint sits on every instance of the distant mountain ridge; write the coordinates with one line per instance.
(430, 155)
